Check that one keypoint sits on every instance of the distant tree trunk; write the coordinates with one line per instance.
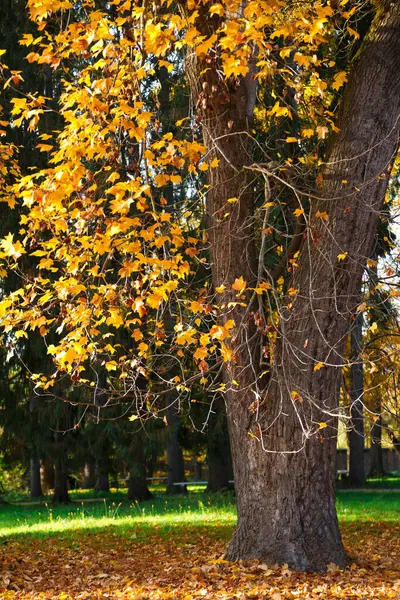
(137, 483)
(60, 482)
(175, 462)
(88, 476)
(35, 483)
(218, 450)
(47, 475)
(283, 440)
(376, 467)
(102, 482)
(198, 471)
(356, 433)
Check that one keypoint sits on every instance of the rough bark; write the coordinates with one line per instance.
(35, 483)
(284, 461)
(218, 451)
(176, 466)
(356, 433)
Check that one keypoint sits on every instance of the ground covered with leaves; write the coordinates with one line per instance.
(174, 549)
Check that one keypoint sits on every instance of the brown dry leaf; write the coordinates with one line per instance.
(187, 564)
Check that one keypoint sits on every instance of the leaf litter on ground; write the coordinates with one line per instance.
(108, 565)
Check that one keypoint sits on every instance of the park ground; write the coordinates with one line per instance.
(172, 548)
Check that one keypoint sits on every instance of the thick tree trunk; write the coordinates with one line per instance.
(35, 483)
(218, 451)
(356, 433)
(60, 482)
(283, 433)
(176, 466)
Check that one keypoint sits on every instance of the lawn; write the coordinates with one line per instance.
(172, 547)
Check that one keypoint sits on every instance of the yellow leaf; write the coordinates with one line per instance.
(111, 365)
(239, 285)
(200, 353)
(133, 418)
(291, 140)
(323, 425)
(340, 79)
(232, 200)
(279, 111)
(142, 348)
(217, 9)
(220, 288)
(45, 147)
(307, 132)
(342, 256)
(322, 215)
(322, 130)
(298, 212)
(220, 332)
(353, 33)
(205, 46)
(373, 327)
(137, 335)
(186, 337)
(318, 366)
(226, 353)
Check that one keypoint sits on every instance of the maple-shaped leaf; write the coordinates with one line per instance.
(239, 285)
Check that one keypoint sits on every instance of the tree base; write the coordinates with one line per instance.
(306, 553)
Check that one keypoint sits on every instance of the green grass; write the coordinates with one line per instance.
(166, 515)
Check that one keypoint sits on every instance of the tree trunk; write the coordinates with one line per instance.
(35, 484)
(176, 466)
(88, 477)
(60, 482)
(356, 433)
(36, 487)
(218, 451)
(376, 467)
(47, 475)
(283, 432)
(102, 483)
(137, 483)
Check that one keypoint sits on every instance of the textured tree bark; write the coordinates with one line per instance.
(176, 465)
(356, 433)
(283, 458)
(35, 483)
